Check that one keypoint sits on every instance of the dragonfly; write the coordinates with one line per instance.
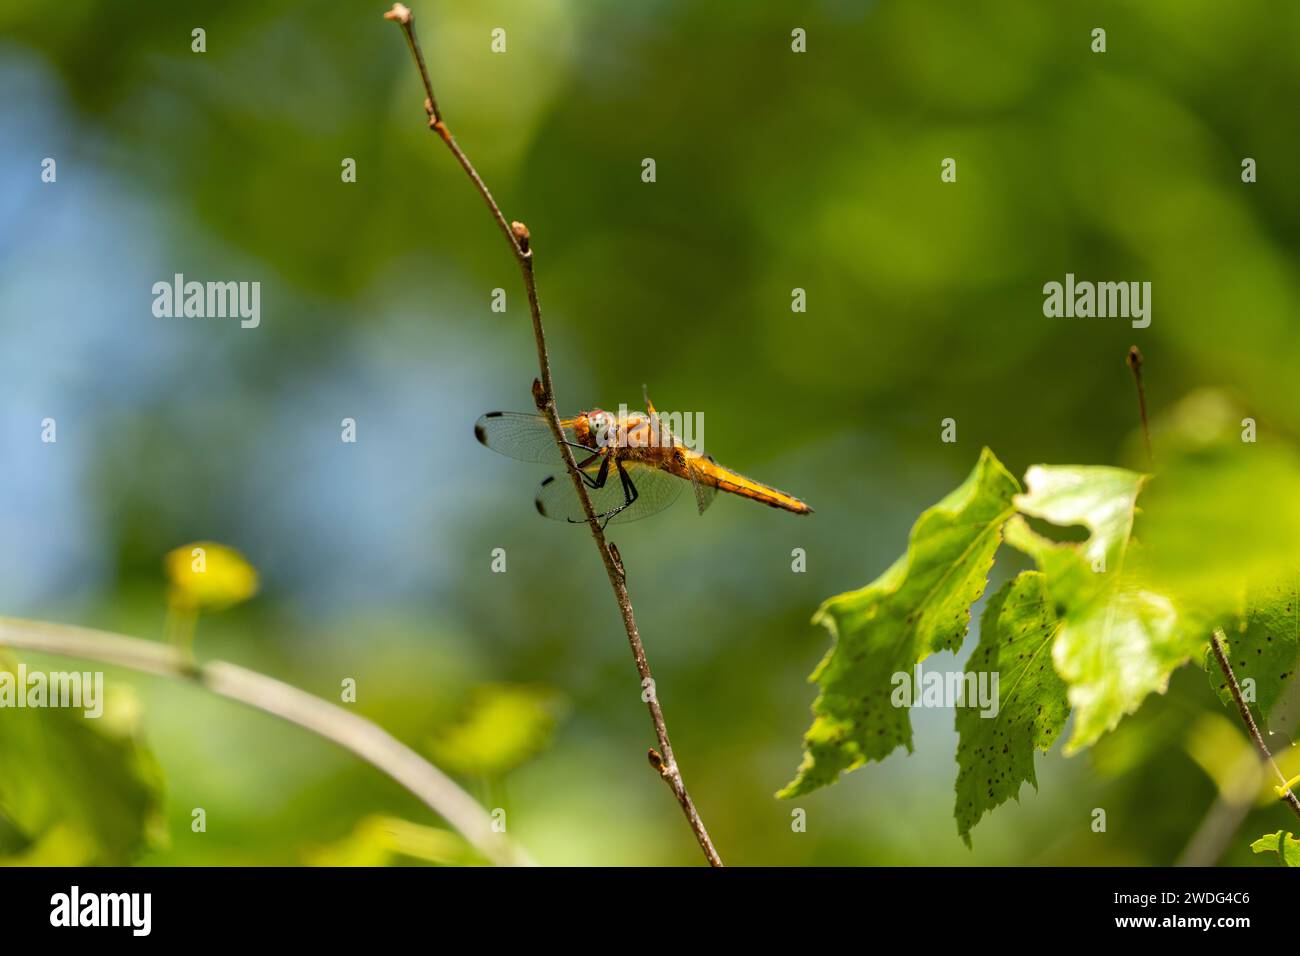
(630, 462)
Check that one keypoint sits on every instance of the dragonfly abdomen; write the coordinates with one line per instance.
(724, 479)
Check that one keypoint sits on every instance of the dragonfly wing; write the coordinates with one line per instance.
(650, 489)
(518, 435)
(654, 491)
(556, 498)
(704, 492)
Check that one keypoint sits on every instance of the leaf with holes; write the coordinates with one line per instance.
(1265, 649)
(995, 752)
(919, 606)
(1119, 640)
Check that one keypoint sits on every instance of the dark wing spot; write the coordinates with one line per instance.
(480, 432)
(538, 501)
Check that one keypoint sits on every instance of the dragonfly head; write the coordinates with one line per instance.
(595, 428)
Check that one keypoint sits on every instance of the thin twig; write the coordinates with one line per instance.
(1221, 655)
(1225, 817)
(350, 731)
(1135, 364)
(517, 235)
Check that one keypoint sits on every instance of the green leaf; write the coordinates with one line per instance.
(1119, 641)
(502, 726)
(1283, 844)
(1101, 499)
(1265, 649)
(80, 790)
(995, 753)
(919, 606)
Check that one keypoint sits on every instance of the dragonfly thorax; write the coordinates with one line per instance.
(624, 432)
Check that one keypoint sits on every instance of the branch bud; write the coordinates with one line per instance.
(520, 232)
(399, 14)
(1134, 358)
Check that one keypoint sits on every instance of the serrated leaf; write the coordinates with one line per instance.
(1265, 649)
(919, 606)
(1283, 844)
(1101, 499)
(1119, 641)
(995, 753)
(80, 790)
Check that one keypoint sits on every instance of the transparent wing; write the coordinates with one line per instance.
(519, 435)
(704, 493)
(649, 489)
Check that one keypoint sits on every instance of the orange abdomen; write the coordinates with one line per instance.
(724, 479)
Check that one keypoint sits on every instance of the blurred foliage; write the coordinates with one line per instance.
(76, 791)
(385, 841)
(1224, 510)
(775, 171)
(502, 726)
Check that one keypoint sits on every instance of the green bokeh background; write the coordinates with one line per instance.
(775, 170)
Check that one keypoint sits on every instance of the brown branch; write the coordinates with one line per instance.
(544, 397)
(1221, 655)
(1135, 364)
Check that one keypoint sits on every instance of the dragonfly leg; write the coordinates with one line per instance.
(630, 494)
(583, 448)
(601, 477)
